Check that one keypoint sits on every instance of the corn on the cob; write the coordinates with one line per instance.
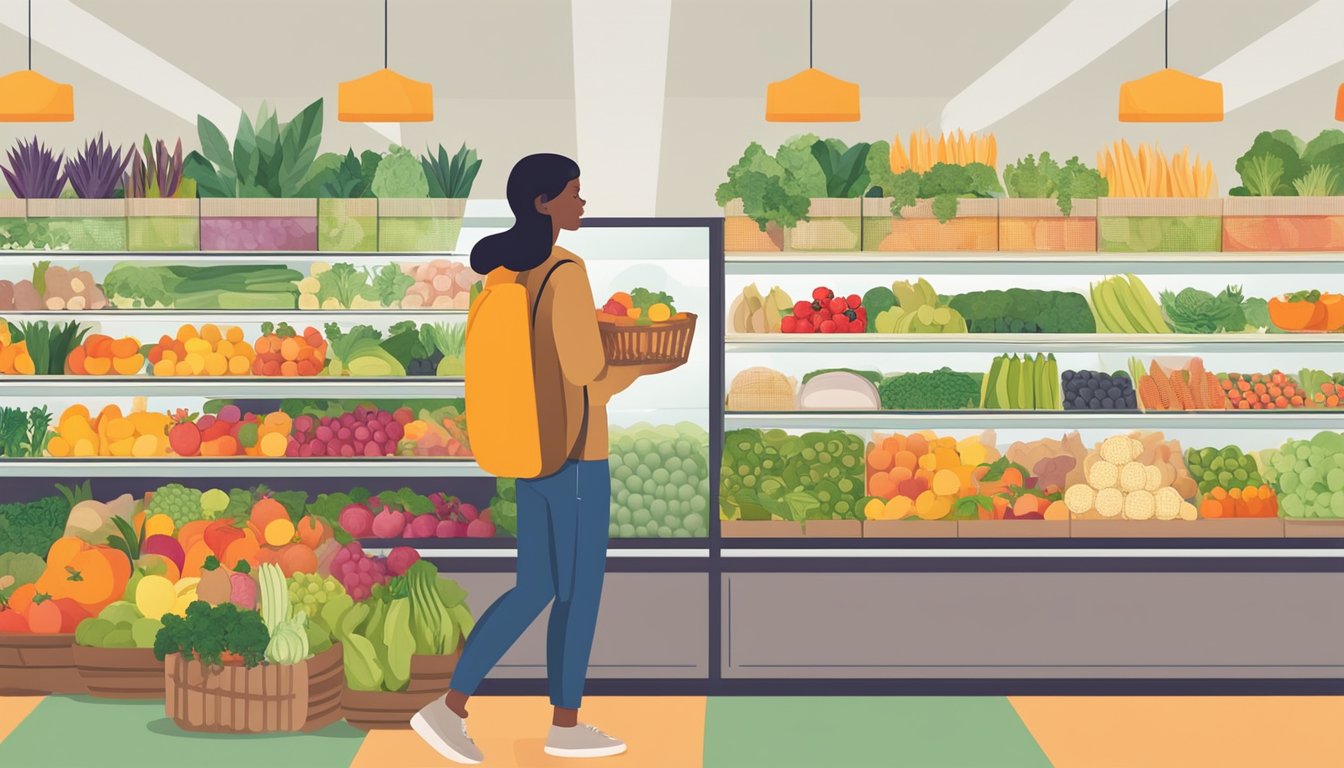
(1149, 173)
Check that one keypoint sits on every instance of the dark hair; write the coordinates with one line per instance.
(528, 242)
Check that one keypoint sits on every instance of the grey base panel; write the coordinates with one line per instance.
(1032, 625)
(650, 626)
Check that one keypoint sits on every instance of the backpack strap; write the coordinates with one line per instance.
(536, 306)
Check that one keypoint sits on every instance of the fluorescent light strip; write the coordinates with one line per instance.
(90, 42)
(1296, 49)
(1078, 35)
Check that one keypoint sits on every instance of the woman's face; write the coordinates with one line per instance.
(565, 209)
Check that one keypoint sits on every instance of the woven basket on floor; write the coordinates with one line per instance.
(120, 673)
(384, 710)
(266, 698)
(666, 342)
(33, 665)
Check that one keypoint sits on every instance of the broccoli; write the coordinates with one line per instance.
(208, 631)
(1022, 310)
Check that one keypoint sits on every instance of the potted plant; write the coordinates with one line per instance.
(261, 194)
(404, 643)
(932, 201)
(162, 211)
(1156, 203)
(1049, 207)
(347, 211)
(1291, 197)
(422, 202)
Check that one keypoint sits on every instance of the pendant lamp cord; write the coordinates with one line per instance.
(1166, 34)
(809, 34)
(30, 35)
(384, 33)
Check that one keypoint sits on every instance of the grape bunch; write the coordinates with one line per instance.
(364, 432)
(180, 503)
(308, 592)
(358, 572)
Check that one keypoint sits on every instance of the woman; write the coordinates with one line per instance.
(563, 518)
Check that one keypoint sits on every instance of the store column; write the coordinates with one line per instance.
(620, 75)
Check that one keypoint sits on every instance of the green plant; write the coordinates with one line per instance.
(399, 174)
(450, 178)
(353, 177)
(944, 183)
(1047, 179)
(156, 173)
(207, 632)
(769, 193)
(266, 160)
(1281, 164)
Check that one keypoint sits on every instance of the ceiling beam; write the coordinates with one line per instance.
(1296, 49)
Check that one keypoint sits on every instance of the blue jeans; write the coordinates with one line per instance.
(563, 524)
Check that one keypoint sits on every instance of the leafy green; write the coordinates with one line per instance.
(768, 192)
(347, 180)
(343, 282)
(1281, 164)
(940, 390)
(32, 526)
(944, 183)
(405, 343)
(1022, 310)
(815, 476)
(24, 434)
(1046, 179)
(348, 345)
(1319, 181)
(408, 500)
(207, 632)
(450, 178)
(25, 567)
(801, 166)
(504, 507)
(845, 168)
(266, 160)
(1256, 311)
(390, 284)
(49, 344)
(400, 174)
(643, 298)
(1196, 311)
(32, 234)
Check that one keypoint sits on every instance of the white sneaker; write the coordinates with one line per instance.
(443, 730)
(582, 741)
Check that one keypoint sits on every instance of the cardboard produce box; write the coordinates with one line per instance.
(258, 224)
(87, 225)
(1167, 224)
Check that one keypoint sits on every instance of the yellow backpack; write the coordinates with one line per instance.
(502, 421)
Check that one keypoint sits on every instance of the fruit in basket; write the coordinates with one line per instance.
(308, 592)
(827, 313)
(209, 351)
(282, 351)
(638, 307)
(101, 355)
(181, 504)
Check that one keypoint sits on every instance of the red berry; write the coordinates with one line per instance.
(828, 326)
(802, 309)
(854, 301)
(788, 324)
(858, 326)
(803, 326)
(862, 313)
(838, 306)
(822, 294)
(823, 314)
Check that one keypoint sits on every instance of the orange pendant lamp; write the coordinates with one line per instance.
(385, 96)
(1170, 95)
(1339, 104)
(28, 97)
(812, 96)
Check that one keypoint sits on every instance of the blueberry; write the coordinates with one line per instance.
(1085, 393)
(1108, 403)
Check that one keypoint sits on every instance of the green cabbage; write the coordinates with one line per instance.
(400, 174)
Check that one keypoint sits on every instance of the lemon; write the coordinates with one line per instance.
(659, 313)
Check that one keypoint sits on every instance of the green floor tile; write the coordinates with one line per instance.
(82, 732)
(867, 732)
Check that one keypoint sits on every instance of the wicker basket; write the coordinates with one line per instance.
(668, 342)
(267, 698)
(120, 673)
(32, 665)
(382, 710)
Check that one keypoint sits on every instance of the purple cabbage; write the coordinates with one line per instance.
(160, 173)
(95, 172)
(33, 171)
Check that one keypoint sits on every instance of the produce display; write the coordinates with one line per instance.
(660, 482)
(1098, 391)
(1188, 388)
(827, 313)
(1307, 311)
(770, 473)
(753, 313)
(940, 390)
(1024, 383)
(1047, 179)
(409, 349)
(1309, 476)
(1148, 172)
(921, 475)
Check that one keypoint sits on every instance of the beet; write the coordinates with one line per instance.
(357, 520)
(400, 559)
(388, 524)
(165, 546)
(423, 526)
(446, 529)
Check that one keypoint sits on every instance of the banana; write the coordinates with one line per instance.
(1105, 319)
(1148, 305)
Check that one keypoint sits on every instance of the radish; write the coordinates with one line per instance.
(469, 511)
(445, 529)
(165, 546)
(481, 528)
(400, 559)
(423, 526)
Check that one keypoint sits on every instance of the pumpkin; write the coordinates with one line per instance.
(91, 576)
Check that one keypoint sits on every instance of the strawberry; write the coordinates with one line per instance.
(802, 309)
(803, 326)
(828, 326)
(788, 324)
(854, 301)
(822, 294)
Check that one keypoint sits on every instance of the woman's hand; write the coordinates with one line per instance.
(618, 378)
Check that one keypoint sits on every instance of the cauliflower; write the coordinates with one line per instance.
(1168, 503)
(1103, 474)
(1110, 502)
(1079, 498)
(1116, 450)
(1132, 477)
(1135, 448)
(1140, 505)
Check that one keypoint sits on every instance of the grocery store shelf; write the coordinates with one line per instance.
(240, 467)
(1029, 263)
(233, 387)
(291, 316)
(617, 548)
(1061, 420)
(772, 343)
(377, 258)
(924, 553)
